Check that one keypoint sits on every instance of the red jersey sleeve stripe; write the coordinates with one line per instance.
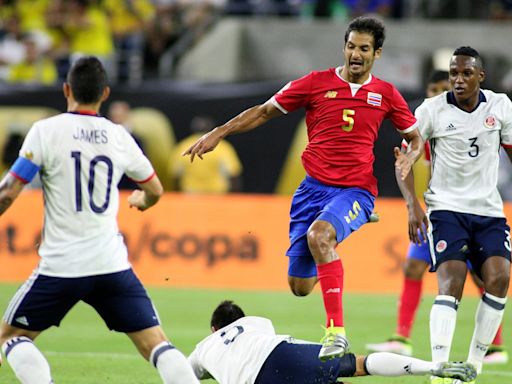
(145, 180)
(506, 145)
(19, 177)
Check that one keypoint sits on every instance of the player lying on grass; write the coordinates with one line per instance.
(246, 350)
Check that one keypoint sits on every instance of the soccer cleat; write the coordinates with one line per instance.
(334, 343)
(395, 344)
(457, 381)
(496, 354)
(463, 371)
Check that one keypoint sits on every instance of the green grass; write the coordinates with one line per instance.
(82, 350)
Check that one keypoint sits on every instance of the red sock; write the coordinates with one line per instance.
(409, 301)
(330, 276)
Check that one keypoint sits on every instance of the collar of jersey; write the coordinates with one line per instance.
(84, 112)
(450, 99)
(338, 73)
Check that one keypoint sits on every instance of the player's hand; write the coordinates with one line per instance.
(138, 200)
(403, 163)
(418, 224)
(206, 143)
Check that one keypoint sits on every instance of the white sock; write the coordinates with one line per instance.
(443, 317)
(487, 321)
(172, 365)
(391, 364)
(27, 362)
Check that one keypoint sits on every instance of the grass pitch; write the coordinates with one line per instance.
(82, 350)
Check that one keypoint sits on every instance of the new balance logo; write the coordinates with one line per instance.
(22, 320)
(333, 290)
(450, 127)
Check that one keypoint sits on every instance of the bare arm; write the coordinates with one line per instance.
(10, 188)
(417, 219)
(509, 152)
(415, 147)
(151, 192)
(246, 121)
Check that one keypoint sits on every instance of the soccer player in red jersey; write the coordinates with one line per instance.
(345, 107)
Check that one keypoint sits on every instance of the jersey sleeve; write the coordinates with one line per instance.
(293, 95)
(194, 361)
(506, 123)
(138, 167)
(32, 147)
(424, 121)
(400, 114)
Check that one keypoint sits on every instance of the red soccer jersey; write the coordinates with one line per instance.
(342, 127)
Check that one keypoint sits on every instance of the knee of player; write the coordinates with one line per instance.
(497, 283)
(321, 236)
(299, 290)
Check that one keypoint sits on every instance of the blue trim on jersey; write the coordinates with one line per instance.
(450, 99)
(24, 169)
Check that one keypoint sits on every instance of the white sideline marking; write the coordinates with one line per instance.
(129, 356)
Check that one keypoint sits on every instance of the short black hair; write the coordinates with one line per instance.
(437, 76)
(469, 51)
(87, 79)
(225, 313)
(368, 25)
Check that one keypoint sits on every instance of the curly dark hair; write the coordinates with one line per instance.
(368, 25)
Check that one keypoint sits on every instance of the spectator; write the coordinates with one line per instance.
(89, 33)
(218, 173)
(128, 20)
(36, 68)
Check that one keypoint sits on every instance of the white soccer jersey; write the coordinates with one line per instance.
(82, 158)
(236, 353)
(465, 152)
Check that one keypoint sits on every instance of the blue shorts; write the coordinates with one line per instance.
(419, 251)
(299, 364)
(463, 236)
(119, 298)
(346, 209)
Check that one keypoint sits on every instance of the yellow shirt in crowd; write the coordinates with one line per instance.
(210, 175)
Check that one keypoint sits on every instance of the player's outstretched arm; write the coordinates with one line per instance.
(417, 219)
(10, 188)
(247, 120)
(150, 193)
(415, 147)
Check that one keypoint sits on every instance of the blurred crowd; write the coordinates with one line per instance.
(40, 38)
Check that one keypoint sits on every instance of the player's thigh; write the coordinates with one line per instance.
(348, 211)
(491, 237)
(449, 237)
(43, 301)
(299, 364)
(309, 198)
(123, 303)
